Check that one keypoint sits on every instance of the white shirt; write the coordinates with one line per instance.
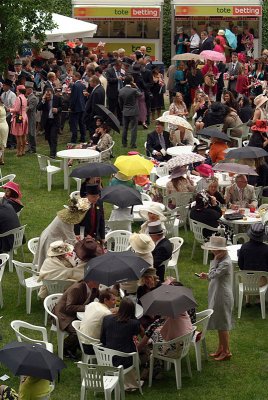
(194, 41)
(91, 324)
(8, 98)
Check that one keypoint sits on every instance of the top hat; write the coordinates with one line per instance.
(199, 147)
(17, 62)
(155, 228)
(92, 189)
(8, 82)
(29, 84)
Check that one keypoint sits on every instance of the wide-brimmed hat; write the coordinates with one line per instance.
(141, 243)
(260, 100)
(205, 170)
(149, 272)
(153, 208)
(221, 32)
(75, 212)
(177, 172)
(13, 186)
(260, 125)
(86, 249)
(8, 82)
(59, 248)
(155, 228)
(257, 232)
(122, 177)
(215, 243)
(180, 29)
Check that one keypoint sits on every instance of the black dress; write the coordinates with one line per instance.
(209, 216)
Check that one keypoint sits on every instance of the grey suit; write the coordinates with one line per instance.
(128, 101)
(233, 72)
(32, 102)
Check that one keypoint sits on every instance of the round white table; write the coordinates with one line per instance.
(178, 150)
(74, 154)
(138, 312)
(162, 182)
(249, 219)
(232, 251)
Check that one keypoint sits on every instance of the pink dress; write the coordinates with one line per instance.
(19, 108)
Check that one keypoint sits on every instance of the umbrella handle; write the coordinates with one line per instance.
(131, 212)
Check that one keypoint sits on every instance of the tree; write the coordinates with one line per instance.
(166, 32)
(265, 25)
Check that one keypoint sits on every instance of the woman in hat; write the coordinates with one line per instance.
(180, 40)
(19, 121)
(220, 295)
(259, 137)
(151, 213)
(3, 132)
(122, 179)
(179, 181)
(206, 172)
(200, 149)
(261, 108)
(13, 195)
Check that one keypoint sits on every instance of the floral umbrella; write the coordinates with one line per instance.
(184, 159)
(213, 55)
(175, 120)
(235, 168)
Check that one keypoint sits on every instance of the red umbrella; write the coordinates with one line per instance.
(213, 55)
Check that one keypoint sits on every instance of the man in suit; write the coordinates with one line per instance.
(147, 77)
(77, 108)
(128, 101)
(206, 42)
(240, 193)
(50, 83)
(163, 248)
(51, 106)
(79, 46)
(115, 77)
(97, 96)
(74, 300)
(32, 102)
(93, 222)
(158, 142)
(233, 71)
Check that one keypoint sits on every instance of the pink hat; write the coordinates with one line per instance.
(205, 170)
(13, 186)
(21, 87)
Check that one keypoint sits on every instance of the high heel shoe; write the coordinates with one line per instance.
(223, 357)
(216, 354)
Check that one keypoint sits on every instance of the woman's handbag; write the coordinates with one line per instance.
(19, 117)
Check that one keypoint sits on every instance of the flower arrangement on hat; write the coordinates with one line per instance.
(75, 211)
(78, 204)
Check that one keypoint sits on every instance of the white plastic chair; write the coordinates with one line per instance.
(240, 237)
(162, 170)
(245, 132)
(17, 233)
(145, 197)
(56, 285)
(203, 318)
(105, 357)
(78, 183)
(98, 378)
(49, 304)
(172, 263)
(249, 284)
(16, 325)
(178, 198)
(45, 166)
(172, 226)
(197, 229)
(30, 283)
(182, 344)
(117, 240)
(83, 338)
(105, 155)
(124, 225)
(4, 258)
(33, 245)
(7, 178)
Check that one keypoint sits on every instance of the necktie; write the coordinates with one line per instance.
(120, 83)
(162, 141)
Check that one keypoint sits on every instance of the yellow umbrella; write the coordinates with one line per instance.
(133, 165)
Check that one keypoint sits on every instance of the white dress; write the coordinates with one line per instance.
(3, 127)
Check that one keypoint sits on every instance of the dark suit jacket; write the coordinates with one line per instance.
(112, 84)
(56, 103)
(48, 85)
(247, 256)
(162, 252)
(128, 101)
(97, 96)
(147, 79)
(207, 45)
(100, 223)
(153, 141)
(77, 99)
(8, 220)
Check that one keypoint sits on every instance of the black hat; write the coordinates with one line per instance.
(257, 232)
(8, 82)
(201, 146)
(92, 189)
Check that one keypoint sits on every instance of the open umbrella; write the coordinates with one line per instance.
(184, 159)
(46, 54)
(121, 196)
(31, 360)
(108, 117)
(231, 38)
(235, 168)
(187, 57)
(246, 152)
(213, 55)
(134, 165)
(93, 169)
(175, 120)
(115, 267)
(214, 133)
(166, 300)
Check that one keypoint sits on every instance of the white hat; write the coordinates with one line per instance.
(141, 243)
(154, 208)
(59, 248)
(221, 32)
(260, 100)
(215, 243)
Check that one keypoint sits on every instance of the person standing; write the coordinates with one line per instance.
(97, 96)
(19, 121)
(3, 132)
(115, 77)
(77, 108)
(128, 101)
(233, 71)
(8, 98)
(32, 102)
(51, 106)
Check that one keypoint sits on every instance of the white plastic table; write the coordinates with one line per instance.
(232, 251)
(138, 312)
(178, 150)
(74, 154)
(162, 182)
(250, 218)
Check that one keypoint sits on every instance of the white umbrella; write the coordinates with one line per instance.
(69, 28)
(184, 159)
(187, 57)
(175, 120)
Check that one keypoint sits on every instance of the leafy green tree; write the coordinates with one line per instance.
(265, 25)
(166, 46)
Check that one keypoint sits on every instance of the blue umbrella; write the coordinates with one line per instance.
(231, 38)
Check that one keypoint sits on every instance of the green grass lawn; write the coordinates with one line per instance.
(244, 377)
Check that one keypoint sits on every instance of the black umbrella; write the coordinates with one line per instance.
(31, 360)
(114, 267)
(121, 196)
(108, 117)
(246, 152)
(93, 169)
(166, 300)
(214, 133)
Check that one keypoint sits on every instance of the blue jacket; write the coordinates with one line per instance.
(77, 98)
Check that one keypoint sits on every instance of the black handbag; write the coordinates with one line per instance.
(19, 117)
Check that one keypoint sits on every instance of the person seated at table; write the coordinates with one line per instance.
(213, 190)
(180, 136)
(121, 179)
(207, 211)
(241, 194)
(13, 195)
(105, 141)
(200, 149)
(259, 137)
(217, 149)
(96, 135)
(215, 114)
(178, 107)
(179, 182)
(158, 142)
(151, 213)
(206, 172)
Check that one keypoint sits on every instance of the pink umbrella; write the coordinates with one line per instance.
(212, 55)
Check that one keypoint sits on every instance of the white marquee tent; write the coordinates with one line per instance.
(69, 28)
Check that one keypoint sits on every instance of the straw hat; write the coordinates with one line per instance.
(221, 32)
(260, 100)
(153, 208)
(215, 243)
(141, 243)
(122, 177)
(59, 248)
(75, 212)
